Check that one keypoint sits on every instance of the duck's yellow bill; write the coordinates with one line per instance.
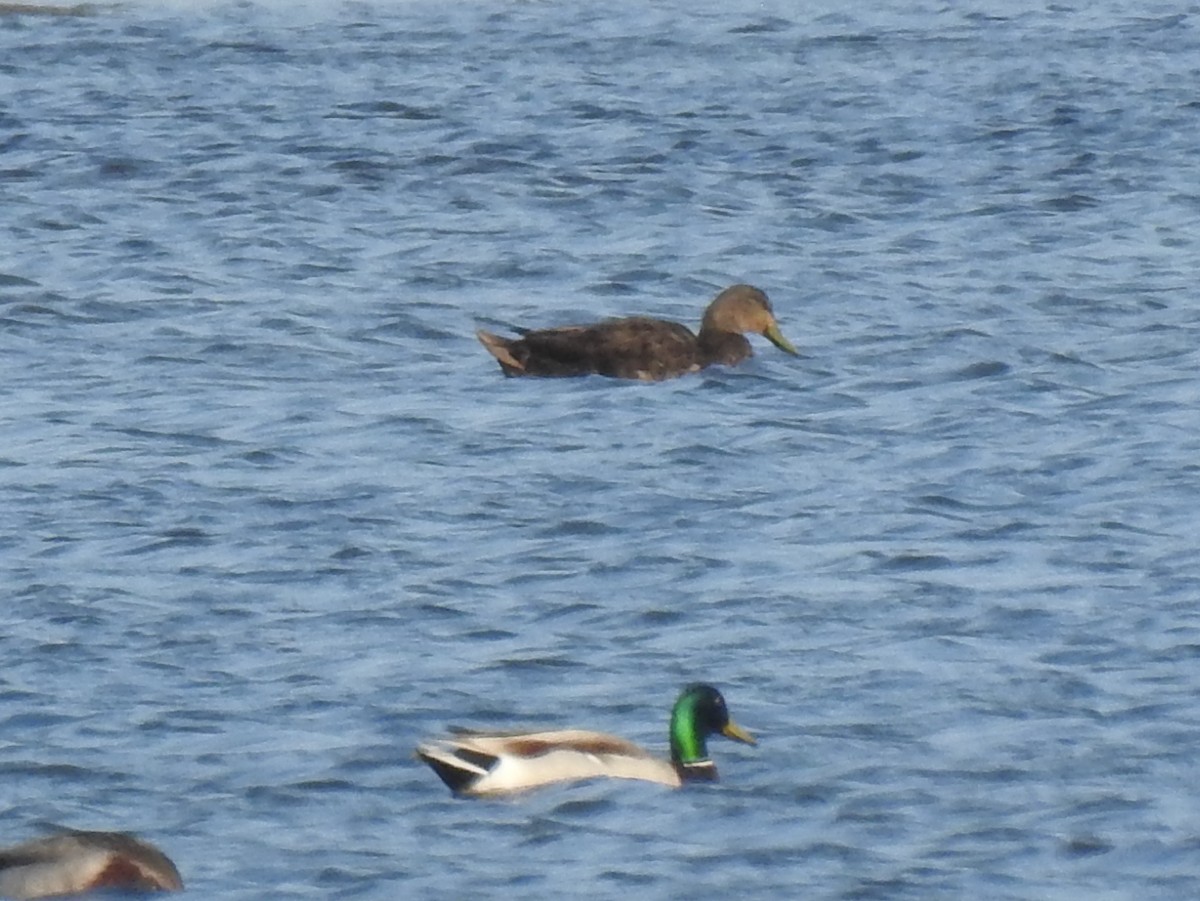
(775, 336)
(737, 733)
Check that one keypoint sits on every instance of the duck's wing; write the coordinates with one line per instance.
(545, 352)
(503, 763)
(633, 348)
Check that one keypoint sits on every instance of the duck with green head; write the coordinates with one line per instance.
(483, 764)
(643, 348)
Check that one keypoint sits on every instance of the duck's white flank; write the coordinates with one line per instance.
(503, 764)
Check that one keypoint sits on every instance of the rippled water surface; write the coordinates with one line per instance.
(271, 514)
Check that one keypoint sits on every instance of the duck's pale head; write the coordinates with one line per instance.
(744, 309)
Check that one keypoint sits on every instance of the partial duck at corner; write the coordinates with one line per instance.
(76, 862)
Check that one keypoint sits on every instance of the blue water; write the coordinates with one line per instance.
(270, 515)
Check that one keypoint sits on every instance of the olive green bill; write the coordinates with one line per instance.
(737, 733)
(775, 336)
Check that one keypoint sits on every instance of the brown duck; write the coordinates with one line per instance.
(640, 347)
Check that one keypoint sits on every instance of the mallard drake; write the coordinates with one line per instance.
(76, 862)
(640, 347)
(481, 764)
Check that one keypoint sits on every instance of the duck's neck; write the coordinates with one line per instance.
(704, 771)
(689, 750)
(717, 346)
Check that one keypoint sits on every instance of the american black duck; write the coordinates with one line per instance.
(482, 764)
(75, 862)
(640, 347)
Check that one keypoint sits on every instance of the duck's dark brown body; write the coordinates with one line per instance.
(635, 348)
(642, 348)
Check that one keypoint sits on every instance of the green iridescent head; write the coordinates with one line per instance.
(699, 713)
